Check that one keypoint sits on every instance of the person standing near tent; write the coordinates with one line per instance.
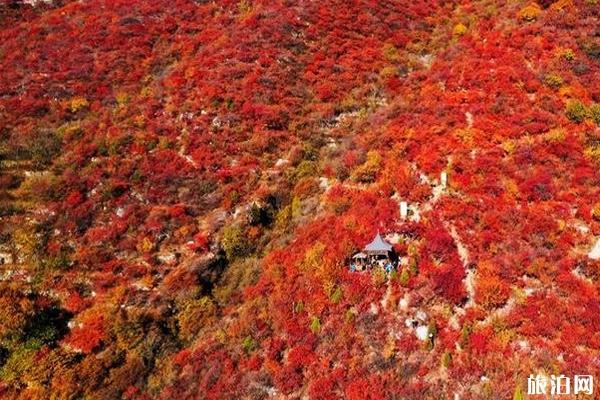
(388, 267)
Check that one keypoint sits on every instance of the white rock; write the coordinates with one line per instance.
(386, 297)
(216, 122)
(190, 160)
(239, 211)
(444, 179)
(166, 258)
(422, 332)
(469, 118)
(324, 182)
(594, 254)
(463, 252)
(403, 209)
(453, 322)
(374, 309)
(281, 162)
(74, 324)
(424, 178)
(138, 196)
(30, 174)
(34, 2)
(6, 258)
(426, 60)
(141, 286)
(523, 344)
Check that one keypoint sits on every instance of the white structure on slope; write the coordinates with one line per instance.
(594, 254)
(403, 209)
(444, 179)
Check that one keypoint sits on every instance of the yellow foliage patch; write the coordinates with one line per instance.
(593, 152)
(561, 4)
(145, 245)
(465, 136)
(530, 13)
(391, 53)
(557, 135)
(78, 103)
(459, 29)
(122, 98)
(596, 211)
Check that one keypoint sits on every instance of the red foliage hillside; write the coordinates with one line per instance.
(183, 184)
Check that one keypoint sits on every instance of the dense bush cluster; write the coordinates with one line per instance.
(182, 184)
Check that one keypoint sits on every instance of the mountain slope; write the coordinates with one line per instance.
(184, 183)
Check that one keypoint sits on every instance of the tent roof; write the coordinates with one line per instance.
(359, 255)
(378, 245)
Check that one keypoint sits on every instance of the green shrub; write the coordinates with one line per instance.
(60, 261)
(17, 364)
(518, 395)
(235, 242)
(299, 307)
(446, 359)
(568, 55)
(576, 111)
(284, 218)
(378, 276)
(310, 152)
(553, 80)
(305, 169)
(236, 276)
(260, 215)
(248, 344)
(193, 315)
(592, 50)
(595, 112)
(44, 147)
(404, 276)
(350, 316)
(315, 324)
(336, 296)
(46, 327)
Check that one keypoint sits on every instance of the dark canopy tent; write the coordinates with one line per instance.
(374, 253)
(378, 247)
